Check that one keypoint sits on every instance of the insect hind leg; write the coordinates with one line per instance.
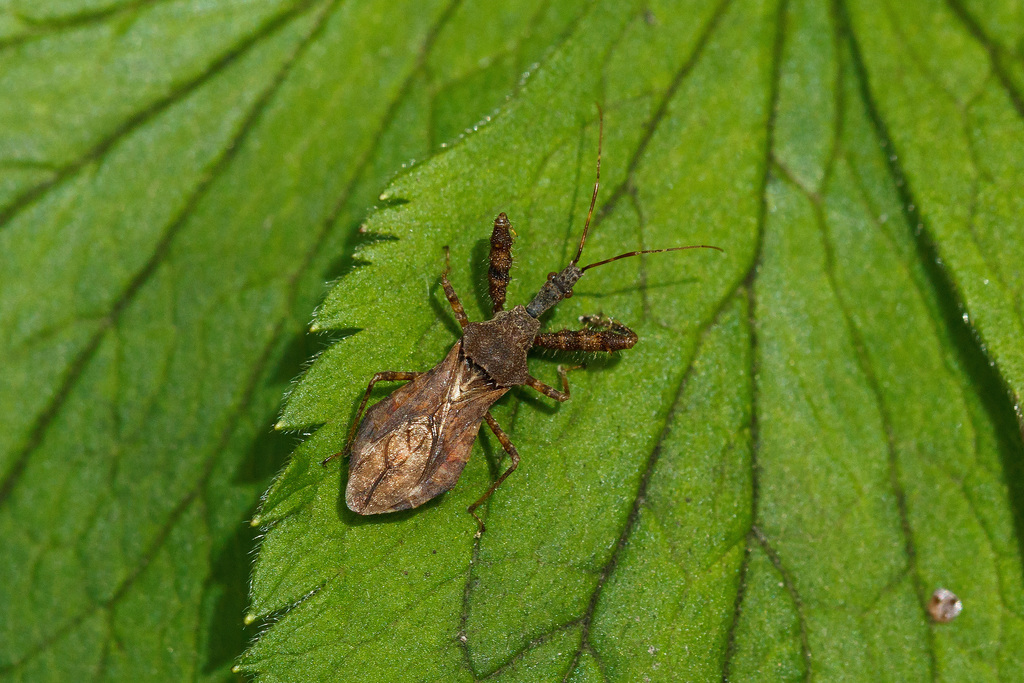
(390, 376)
(506, 443)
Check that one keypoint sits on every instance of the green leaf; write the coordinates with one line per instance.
(177, 180)
(804, 444)
(815, 430)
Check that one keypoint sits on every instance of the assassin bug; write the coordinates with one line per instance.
(412, 445)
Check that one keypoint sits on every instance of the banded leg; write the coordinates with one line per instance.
(449, 292)
(501, 260)
(379, 377)
(601, 334)
(551, 392)
(506, 443)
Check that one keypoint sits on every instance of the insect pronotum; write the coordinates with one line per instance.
(412, 445)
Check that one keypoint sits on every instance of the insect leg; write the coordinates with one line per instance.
(608, 336)
(551, 392)
(506, 443)
(379, 377)
(449, 292)
(501, 260)
(602, 322)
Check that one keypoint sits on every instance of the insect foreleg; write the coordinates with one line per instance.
(379, 377)
(501, 260)
(602, 334)
(506, 443)
(449, 292)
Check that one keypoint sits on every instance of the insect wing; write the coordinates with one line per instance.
(413, 445)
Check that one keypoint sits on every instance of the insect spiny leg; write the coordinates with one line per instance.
(379, 377)
(506, 443)
(449, 292)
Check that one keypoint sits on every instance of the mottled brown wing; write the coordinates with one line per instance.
(412, 445)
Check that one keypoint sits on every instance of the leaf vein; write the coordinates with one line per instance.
(78, 366)
(143, 116)
(748, 283)
(49, 26)
(996, 54)
(892, 457)
(651, 126)
(639, 498)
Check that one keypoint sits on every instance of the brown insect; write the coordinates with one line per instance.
(412, 445)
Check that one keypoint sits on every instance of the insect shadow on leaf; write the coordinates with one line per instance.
(412, 445)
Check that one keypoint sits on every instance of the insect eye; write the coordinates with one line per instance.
(568, 295)
(551, 275)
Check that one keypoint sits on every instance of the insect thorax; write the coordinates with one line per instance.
(499, 345)
(557, 287)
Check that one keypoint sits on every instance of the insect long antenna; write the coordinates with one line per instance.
(597, 184)
(648, 251)
(559, 285)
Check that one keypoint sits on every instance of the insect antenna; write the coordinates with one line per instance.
(597, 185)
(648, 251)
(559, 285)
(593, 203)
